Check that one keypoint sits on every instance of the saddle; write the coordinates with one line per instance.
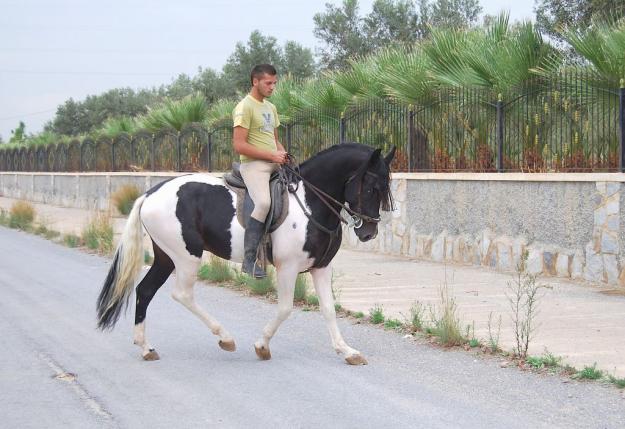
(279, 198)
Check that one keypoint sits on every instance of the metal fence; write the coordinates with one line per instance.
(566, 123)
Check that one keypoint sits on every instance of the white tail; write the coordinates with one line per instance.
(126, 266)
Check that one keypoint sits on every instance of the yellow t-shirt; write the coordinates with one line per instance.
(260, 120)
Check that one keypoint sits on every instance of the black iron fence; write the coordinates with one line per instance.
(565, 123)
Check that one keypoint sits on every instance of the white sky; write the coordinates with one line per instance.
(51, 50)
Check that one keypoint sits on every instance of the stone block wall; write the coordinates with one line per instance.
(571, 226)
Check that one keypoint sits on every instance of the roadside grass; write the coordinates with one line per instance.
(589, 373)
(21, 215)
(4, 217)
(312, 300)
(256, 286)
(71, 240)
(547, 360)
(493, 338)
(445, 321)
(523, 294)
(415, 321)
(216, 270)
(376, 314)
(301, 288)
(618, 382)
(124, 198)
(148, 259)
(392, 324)
(98, 234)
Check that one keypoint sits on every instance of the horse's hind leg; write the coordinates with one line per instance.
(153, 280)
(322, 279)
(286, 285)
(186, 275)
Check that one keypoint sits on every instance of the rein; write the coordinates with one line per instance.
(356, 219)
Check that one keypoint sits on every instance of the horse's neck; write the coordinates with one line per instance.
(328, 174)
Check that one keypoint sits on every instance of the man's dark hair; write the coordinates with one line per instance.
(259, 70)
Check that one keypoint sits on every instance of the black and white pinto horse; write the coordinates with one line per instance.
(193, 213)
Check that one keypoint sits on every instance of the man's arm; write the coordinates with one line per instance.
(242, 147)
(278, 144)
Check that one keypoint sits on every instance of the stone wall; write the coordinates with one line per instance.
(570, 225)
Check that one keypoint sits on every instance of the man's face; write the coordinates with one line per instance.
(266, 84)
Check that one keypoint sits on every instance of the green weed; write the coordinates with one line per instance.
(547, 360)
(216, 270)
(618, 382)
(301, 287)
(376, 314)
(493, 339)
(446, 322)
(256, 286)
(71, 240)
(359, 315)
(589, 373)
(415, 320)
(392, 324)
(312, 300)
(21, 215)
(98, 234)
(125, 197)
(4, 217)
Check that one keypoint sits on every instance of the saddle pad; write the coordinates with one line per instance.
(277, 213)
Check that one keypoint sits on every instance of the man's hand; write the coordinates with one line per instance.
(279, 157)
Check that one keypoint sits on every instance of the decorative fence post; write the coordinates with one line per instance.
(209, 160)
(113, 154)
(82, 164)
(288, 137)
(152, 155)
(500, 118)
(621, 121)
(178, 152)
(411, 115)
(342, 128)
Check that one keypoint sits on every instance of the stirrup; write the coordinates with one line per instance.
(257, 272)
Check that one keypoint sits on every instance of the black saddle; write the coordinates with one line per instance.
(279, 198)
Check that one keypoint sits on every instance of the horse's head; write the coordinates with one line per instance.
(368, 190)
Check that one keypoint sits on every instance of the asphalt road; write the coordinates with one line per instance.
(57, 371)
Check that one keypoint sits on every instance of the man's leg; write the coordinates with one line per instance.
(256, 175)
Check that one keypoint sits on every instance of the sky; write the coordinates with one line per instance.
(51, 50)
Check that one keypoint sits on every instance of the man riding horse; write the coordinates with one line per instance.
(255, 139)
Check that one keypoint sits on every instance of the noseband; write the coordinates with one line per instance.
(357, 218)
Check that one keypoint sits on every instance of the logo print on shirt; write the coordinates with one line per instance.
(268, 123)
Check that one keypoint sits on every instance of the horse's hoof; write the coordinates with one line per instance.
(228, 346)
(151, 355)
(356, 360)
(262, 352)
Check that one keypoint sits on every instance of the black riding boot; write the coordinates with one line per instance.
(253, 234)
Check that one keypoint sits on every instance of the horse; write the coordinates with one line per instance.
(193, 213)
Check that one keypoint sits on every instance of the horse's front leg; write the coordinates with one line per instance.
(286, 276)
(322, 279)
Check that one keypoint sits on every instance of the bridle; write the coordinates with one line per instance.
(355, 220)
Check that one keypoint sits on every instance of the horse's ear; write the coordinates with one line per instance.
(389, 158)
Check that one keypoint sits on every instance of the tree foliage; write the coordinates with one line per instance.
(346, 35)
(73, 118)
(453, 14)
(18, 135)
(553, 16)
(294, 59)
